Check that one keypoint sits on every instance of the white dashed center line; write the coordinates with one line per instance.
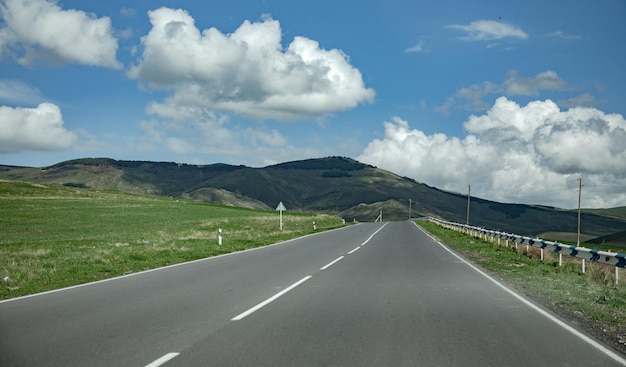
(331, 263)
(270, 300)
(162, 360)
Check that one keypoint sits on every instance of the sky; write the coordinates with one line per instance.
(516, 99)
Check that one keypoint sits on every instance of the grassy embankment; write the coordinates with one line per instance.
(592, 296)
(53, 237)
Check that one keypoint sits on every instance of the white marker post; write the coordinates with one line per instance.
(219, 236)
(280, 209)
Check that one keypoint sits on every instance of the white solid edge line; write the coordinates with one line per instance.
(331, 263)
(269, 300)
(165, 267)
(552, 318)
(349, 253)
(162, 360)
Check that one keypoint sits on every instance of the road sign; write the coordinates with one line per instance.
(280, 209)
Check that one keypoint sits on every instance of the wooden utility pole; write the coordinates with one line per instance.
(580, 190)
(469, 188)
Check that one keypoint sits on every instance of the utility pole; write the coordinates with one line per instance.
(410, 204)
(469, 188)
(580, 190)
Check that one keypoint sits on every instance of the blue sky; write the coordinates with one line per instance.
(517, 99)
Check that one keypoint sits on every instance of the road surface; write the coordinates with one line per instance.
(374, 294)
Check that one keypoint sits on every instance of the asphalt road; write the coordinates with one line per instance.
(369, 295)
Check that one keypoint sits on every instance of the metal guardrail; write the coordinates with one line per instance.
(605, 257)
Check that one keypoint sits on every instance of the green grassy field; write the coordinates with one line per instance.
(54, 236)
(591, 298)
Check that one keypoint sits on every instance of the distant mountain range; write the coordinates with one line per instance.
(335, 185)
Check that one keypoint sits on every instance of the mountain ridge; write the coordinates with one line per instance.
(335, 185)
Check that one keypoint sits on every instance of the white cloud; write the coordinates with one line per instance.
(41, 30)
(246, 72)
(470, 98)
(524, 154)
(127, 12)
(262, 137)
(416, 48)
(564, 36)
(193, 132)
(34, 129)
(188, 130)
(583, 100)
(547, 80)
(488, 30)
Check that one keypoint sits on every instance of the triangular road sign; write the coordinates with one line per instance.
(281, 207)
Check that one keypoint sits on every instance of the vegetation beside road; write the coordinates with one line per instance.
(55, 236)
(592, 300)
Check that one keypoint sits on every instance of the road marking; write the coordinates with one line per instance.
(552, 318)
(331, 263)
(162, 360)
(270, 300)
(373, 234)
(277, 295)
(354, 250)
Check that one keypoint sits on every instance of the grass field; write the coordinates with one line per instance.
(54, 236)
(591, 298)
(569, 237)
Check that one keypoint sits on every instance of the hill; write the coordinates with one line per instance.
(618, 238)
(335, 185)
(611, 212)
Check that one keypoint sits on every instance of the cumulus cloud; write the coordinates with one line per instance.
(488, 30)
(40, 30)
(524, 154)
(470, 98)
(34, 129)
(247, 72)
